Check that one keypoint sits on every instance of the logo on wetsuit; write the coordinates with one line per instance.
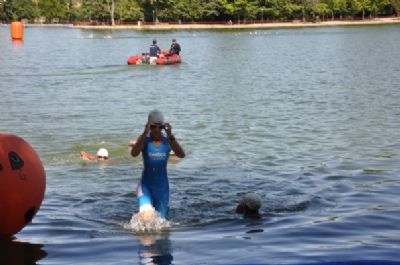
(158, 155)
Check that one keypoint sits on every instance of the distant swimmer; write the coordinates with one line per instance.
(249, 206)
(102, 155)
(155, 146)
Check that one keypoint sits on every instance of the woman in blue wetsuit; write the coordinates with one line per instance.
(155, 144)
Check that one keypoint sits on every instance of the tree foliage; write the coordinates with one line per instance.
(396, 5)
(128, 11)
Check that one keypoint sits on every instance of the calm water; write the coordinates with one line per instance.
(309, 119)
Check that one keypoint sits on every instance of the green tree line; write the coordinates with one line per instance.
(239, 11)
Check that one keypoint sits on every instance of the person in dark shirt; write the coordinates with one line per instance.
(175, 48)
(154, 49)
(155, 52)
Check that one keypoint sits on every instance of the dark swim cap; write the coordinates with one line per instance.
(253, 201)
(156, 117)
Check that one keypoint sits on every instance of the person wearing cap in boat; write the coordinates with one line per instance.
(175, 48)
(155, 144)
(102, 155)
(249, 206)
(154, 52)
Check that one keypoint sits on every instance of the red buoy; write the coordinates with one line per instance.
(22, 184)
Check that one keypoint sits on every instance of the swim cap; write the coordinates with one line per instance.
(253, 201)
(102, 152)
(156, 117)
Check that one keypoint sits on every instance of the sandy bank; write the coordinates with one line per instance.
(166, 26)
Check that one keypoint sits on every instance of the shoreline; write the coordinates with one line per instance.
(295, 24)
(194, 26)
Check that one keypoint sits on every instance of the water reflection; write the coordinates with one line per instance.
(20, 253)
(17, 43)
(155, 249)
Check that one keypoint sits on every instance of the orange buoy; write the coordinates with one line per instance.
(17, 30)
(22, 184)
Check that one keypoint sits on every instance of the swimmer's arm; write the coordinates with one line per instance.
(176, 147)
(173, 143)
(85, 156)
(138, 147)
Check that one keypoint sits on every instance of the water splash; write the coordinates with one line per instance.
(155, 224)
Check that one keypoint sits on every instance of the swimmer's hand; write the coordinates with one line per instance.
(131, 143)
(85, 156)
(168, 129)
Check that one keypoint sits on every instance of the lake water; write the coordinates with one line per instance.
(309, 119)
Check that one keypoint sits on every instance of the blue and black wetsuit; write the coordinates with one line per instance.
(154, 187)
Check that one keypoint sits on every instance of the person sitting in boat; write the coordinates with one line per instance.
(175, 48)
(154, 52)
(102, 155)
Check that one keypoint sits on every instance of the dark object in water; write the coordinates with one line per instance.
(249, 206)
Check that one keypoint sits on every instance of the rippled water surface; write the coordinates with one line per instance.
(309, 119)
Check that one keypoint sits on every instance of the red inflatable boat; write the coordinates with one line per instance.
(162, 60)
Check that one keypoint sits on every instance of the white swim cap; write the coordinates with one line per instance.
(102, 152)
(156, 117)
(253, 201)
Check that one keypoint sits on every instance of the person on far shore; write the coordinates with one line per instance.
(102, 155)
(175, 48)
(155, 52)
(249, 206)
(155, 146)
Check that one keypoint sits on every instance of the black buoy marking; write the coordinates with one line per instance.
(15, 161)
(29, 215)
